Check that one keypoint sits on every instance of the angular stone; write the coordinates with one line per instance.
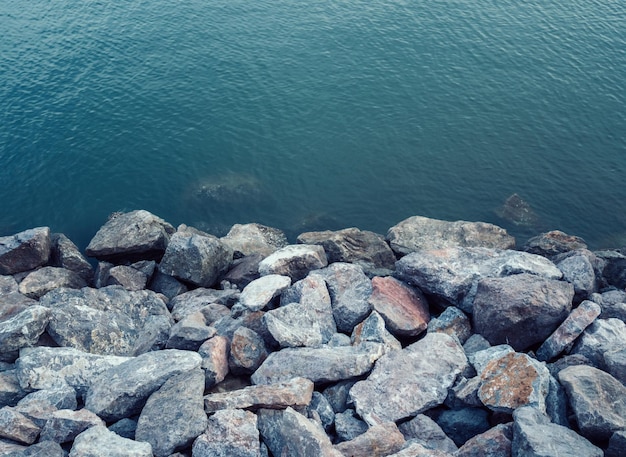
(614, 271)
(65, 254)
(295, 392)
(480, 359)
(189, 333)
(196, 257)
(602, 336)
(122, 391)
(174, 416)
(535, 436)
(321, 406)
(198, 299)
(23, 329)
(41, 449)
(452, 322)
(250, 239)
(613, 304)
(408, 382)
(214, 353)
(230, 432)
(512, 381)
(617, 445)
(24, 251)
(297, 324)
(563, 337)
(125, 428)
(17, 427)
(338, 395)
(520, 310)
(65, 425)
(615, 362)
(41, 405)
(348, 426)
(495, 442)
(10, 390)
(404, 308)
(320, 365)
(464, 393)
(350, 291)
(597, 399)
(106, 321)
(104, 443)
(373, 329)
(351, 245)
(577, 268)
(42, 281)
(295, 261)
(463, 424)
(424, 430)
(414, 449)
(247, 351)
(137, 234)
(289, 434)
(243, 271)
(166, 285)
(556, 403)
(452, 274)
(378, 441)
(260, 292)
(474, 344)
(553, 243)
(417, 233)
(311, 291)
(127, 277)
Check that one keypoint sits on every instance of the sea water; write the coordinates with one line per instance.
(313, 114)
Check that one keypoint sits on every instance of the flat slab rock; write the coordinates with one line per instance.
(407, 382)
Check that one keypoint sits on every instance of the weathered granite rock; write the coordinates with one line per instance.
(597, 399)
(563, 337)
(512, 381)
(417, 233)
(602, 336)
(351, 245)
(617, 445)
(556, 403)
(311, 291)
(295, 392)
(41, 405)
(189, 333)
(404, 308)
(122, 391)
(495, 442)
(553, 243)
(10, 390)
(105, 321)
(260, 292)
(451, 274)
(24, 251)
(348, 426)
(464, 423)
(8, 285)
(414, 449)
(201, 298)
(474, 344)
(321, 406)
(196, 257)
(295, 261)
(133, 235)
(578, 269)
(100, 441)
(373, 329)
(42, 281)
(214, 353)
(520, 310)
(17, 427)
(243, 271)
(535, 436)
(289, 434)
(408, 382)
(615, 362)
(250, 239)
(13, 303)
(247, 351)
(320, 365)
(612, 302)
(480, 359)
(22, 330)
(230, 432)
(350, 291)
(297, 324)
(41, 449)
(174, 416)
(66, 424)
(378, 441)
(65, 254)
(338, 395)
(166, 285)
(127, 277)
(452, 322)
(424, 430)
(464, 393)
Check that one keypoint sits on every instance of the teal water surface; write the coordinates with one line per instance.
(312, 114)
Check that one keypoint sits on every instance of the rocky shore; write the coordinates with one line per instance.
(438, 339)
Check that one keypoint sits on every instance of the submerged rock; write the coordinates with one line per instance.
(518, 211)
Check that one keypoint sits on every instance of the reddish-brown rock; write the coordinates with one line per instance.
(377, 441)
(403, 308)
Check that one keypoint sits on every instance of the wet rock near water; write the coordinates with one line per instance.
(185, 344)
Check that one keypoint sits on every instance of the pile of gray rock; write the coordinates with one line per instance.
(440, 339)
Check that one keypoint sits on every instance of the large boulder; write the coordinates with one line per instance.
(250, 239)
(109, 321)
(407, 382)
(42, 281)
(553, 243)
(24, 251)
(418, 233)
(520, 310)
(134, 235)
(65, 254)
(299, 324)
(196, 257)
(452, 274)
(351, 245)
(17, 427)
(295, 261)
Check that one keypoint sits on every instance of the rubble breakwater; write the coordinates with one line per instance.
(437, 339)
